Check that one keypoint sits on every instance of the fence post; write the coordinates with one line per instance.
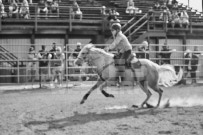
(18, 71)
(36, 15)
(70, 19)
(0, 21)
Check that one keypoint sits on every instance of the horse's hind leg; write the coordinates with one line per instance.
(104, 92)
(159, 91)
(99, 82)
(144, 86)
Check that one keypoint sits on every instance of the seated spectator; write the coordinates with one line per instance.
(169, 4)
(32, 65)
(49, 2)
(175, 19)
(24, 10)
(103, 10)
(184, 18)
(191, 64)
(114, 15)
(13, 9)
(77, 50)
(54, 9)
(3, 13)
(150, 14)
(175, 6)
(43, 64)
(157, 7)
(42, 8)
(76, 12)
(165, 15)
(130, 8)
(165, 54)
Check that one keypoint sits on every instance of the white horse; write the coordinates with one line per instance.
(149, 74)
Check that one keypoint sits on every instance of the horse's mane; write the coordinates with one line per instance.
(102, 52)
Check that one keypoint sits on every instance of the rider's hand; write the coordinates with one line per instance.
(106, 49)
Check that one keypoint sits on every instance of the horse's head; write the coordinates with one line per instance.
(83, 54)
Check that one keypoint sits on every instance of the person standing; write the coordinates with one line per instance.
(43, 64)
(165, 54)
(52, 57)
(59, 66)
(142, 51)
(32, 65)
(191, 63)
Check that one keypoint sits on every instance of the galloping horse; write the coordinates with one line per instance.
(149, 74)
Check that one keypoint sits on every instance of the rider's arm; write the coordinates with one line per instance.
(116, 41)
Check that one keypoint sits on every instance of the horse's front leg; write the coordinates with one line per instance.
(99, 82)
(104, 92)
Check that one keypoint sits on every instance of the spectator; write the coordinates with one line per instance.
(165, 54)
(59, 66)
(170, 4)
(24, 10)
(175, 6)
(142, 51)
(150, 14)
(184, 18)
(103, 10)
(43, 64)
(131, 10)
(32, 65)
(191, 62)
(49, 2)
(92, 2)
(114, 17)
(52, 57)
(77, 50)
(156, 6)
(54, 9)
(42, 8)
(13, 9)
(165, 15)
(76, 12)
(3, 13)
(175, 19)
(156, 10)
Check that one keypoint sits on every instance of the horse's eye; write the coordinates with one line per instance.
(83, 53)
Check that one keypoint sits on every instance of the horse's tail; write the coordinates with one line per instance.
(168, 77)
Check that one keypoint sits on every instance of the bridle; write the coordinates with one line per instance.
(90, 61)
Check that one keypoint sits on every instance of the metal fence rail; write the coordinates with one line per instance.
(19, 72)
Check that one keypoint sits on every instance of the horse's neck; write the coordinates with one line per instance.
(101, 60)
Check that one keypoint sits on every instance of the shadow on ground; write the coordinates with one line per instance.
(81, 119)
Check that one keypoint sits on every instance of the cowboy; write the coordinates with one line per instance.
(123, 46)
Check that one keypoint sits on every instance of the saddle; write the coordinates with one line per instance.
(131, 62)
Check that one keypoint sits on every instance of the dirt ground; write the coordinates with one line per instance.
(58, 112)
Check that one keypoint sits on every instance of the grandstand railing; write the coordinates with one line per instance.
(18, 73)
(65, 16)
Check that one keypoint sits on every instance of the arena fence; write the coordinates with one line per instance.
(15, 69)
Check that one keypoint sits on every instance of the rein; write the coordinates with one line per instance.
(99, 72)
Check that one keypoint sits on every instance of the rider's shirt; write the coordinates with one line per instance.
(121, 43)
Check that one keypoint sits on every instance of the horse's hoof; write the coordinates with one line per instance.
(149, 106)
(135, 106)
(112, 96)
(82, 102)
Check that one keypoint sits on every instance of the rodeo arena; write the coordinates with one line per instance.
(101, 67)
